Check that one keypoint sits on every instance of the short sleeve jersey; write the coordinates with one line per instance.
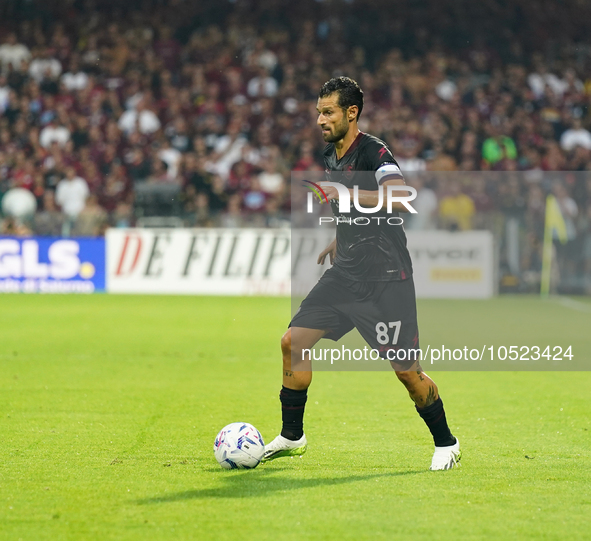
(369, 249)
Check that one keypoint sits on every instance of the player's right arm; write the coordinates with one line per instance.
(330, 250)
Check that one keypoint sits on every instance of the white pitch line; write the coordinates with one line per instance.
(574, 305)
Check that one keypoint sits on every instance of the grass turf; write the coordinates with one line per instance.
(109, 406)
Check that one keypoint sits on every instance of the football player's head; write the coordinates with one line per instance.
(340, 102)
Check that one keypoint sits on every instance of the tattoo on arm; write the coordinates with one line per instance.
(419, 373)
(288, 373)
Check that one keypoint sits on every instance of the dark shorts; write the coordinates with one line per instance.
(384, 313)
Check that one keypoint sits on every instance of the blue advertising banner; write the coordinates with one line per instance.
(52, 265)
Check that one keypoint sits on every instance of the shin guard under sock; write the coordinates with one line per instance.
(292, 412)
(434, 417)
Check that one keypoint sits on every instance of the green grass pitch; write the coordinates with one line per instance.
(109, 406)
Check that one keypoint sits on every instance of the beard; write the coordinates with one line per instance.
(340, 130)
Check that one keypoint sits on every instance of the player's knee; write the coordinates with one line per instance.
(286, 344)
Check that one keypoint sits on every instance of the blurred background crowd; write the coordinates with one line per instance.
(153, 112)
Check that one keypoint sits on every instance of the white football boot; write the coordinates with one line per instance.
(281, 446)
(445, 458)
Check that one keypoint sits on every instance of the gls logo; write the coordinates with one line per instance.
(62, 255)
(345, 197)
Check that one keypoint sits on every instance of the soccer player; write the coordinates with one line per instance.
(369, 286)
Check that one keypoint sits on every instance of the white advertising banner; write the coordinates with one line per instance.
(259, 261)
(452, 265)
(199, 261)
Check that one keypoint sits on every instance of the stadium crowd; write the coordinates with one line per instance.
(97, 100)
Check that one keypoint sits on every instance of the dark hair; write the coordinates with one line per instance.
(350, 92)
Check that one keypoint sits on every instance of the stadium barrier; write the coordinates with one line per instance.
(453, 265)
(224, 262)
(259, 261)
(52, 265)
(199, 261)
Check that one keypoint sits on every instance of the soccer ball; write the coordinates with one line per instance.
(239, 446)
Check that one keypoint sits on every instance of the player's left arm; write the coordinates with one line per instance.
(370, 198)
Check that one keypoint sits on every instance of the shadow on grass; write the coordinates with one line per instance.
(241, 484)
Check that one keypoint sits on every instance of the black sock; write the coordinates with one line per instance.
(292, 412)
(434, 417)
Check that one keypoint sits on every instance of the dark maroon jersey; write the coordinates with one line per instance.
(369, 249)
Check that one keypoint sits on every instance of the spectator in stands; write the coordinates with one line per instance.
(178, 134)
(263, 85)
(44, 66)
(456, 209)
(71, 194)
(535, 211)
(275, 216)
(271, 181)
(218, 195)
(14, 227)
(49, 220)
(307, 159)
(497, 147)
(92, 219)
(511, 200)
(232, 216)
(254, 197)
(115, 189)
(13, 54)
(227, 150)
(484, 204)
(172, 158)
(74, 79)
(168, 49)
(425, 204)
(122, 216)
(4, 94)
(54, 133)
(139, 168)
(408, 160)
(576, 136)
(203, 215)
(139, 119)
(568, 208)
(159, 173)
